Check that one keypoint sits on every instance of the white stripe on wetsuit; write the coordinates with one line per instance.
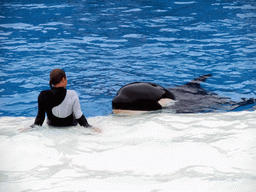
(68, 106)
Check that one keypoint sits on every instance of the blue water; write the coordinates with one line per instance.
(103, 45)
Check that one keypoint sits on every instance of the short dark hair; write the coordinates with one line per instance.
(56, 76)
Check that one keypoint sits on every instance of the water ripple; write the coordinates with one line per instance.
(167, 42)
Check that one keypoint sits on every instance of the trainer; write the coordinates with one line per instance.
(61, 105)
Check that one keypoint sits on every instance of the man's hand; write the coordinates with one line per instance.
(98, 130)
(24, 129)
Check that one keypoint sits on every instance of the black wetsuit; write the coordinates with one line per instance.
(62, 107)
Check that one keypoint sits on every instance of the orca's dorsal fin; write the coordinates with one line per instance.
(196, 82)
(201, 78)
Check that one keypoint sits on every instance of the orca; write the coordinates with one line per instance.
(140, 97)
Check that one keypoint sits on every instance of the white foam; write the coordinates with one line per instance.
(158, 151)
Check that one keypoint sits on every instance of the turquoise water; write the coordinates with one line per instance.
(103, 45)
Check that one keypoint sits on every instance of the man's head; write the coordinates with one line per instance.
(58, 77)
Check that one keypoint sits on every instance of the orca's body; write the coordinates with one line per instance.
(187, 98)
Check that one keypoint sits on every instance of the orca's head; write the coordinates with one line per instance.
(141, 96)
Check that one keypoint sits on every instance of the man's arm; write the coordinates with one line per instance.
(83, 122)
(41, 112)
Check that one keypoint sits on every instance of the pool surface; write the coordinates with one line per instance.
(103, 45)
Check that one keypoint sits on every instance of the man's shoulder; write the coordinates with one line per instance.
(45, 94)
(71, 92)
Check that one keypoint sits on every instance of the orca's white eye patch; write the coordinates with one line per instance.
(166, 102)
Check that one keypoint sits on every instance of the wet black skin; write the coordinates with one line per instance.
(140, 96)
(189, 98)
